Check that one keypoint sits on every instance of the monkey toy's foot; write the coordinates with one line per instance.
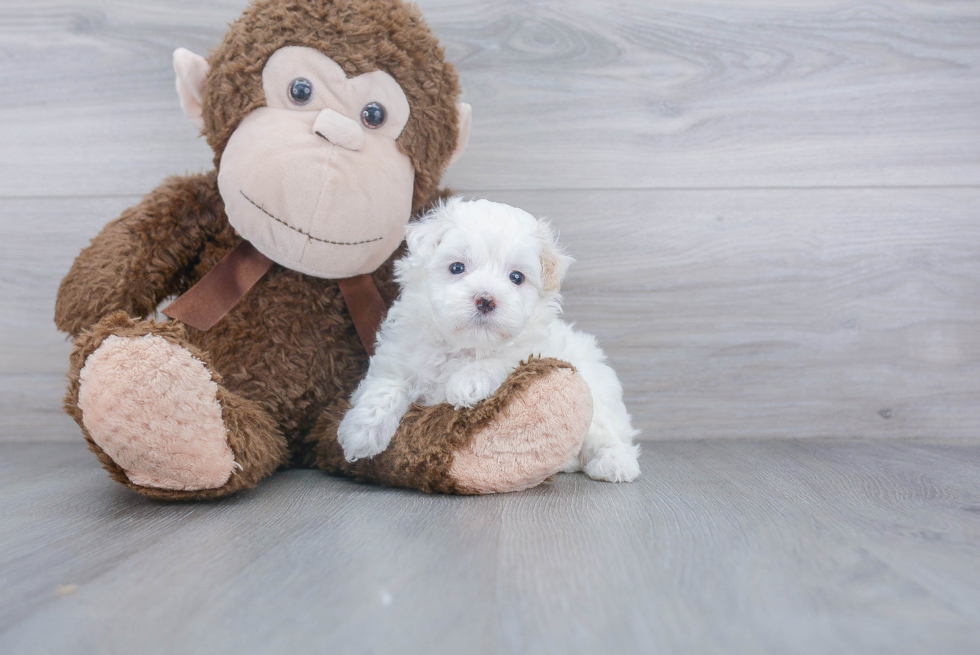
(153, 408)
(156, 415)
(523, 434)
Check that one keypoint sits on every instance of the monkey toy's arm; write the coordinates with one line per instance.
(528, 430)
(144, 256)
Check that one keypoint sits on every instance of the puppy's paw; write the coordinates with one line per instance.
(467, 388)
(614, 463)
(365, 432)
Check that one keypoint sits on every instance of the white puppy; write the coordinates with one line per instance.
(479, 294)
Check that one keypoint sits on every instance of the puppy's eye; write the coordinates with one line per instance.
(517, 278)
(300, 91)
(373, 115)
(457, 268)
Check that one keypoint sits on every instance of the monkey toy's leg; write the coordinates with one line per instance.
(527, 431)
(157, 417)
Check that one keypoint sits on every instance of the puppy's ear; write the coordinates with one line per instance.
(554, 261)
(424, 236)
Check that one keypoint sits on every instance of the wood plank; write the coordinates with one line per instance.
(567, 93)
(720, 547)
(42, 237)
(783, 313)
(792, 313)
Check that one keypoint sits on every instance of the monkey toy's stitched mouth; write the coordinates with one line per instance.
(306, 234)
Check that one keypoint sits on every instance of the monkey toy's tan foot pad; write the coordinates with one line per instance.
(537, 431)
(153, 408)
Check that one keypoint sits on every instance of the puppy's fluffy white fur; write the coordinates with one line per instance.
(436, 345)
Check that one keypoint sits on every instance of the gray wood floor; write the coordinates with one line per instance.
(806, 546)
(775, 208)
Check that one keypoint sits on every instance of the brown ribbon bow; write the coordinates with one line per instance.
(205, 303)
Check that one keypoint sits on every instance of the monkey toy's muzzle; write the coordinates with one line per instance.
(315, 194)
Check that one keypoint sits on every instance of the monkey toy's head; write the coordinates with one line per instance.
(331, 123)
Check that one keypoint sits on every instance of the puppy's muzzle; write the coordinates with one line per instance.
(485, 304)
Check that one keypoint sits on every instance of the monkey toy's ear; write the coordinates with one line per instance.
(465, 118)
(192, 71)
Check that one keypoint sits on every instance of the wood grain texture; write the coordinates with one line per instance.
(720, 547)
(41, 238)
(784, 313)
(567, 93)
(752, 313)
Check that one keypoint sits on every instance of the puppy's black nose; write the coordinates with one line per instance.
(485, 304)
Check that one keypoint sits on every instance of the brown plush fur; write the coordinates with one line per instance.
(287, 355)
(289, 344)
(145, 255)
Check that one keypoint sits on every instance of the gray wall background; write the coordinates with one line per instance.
(775, 207)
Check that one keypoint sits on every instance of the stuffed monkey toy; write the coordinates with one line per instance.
(331, 122)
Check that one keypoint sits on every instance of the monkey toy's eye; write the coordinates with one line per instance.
(457, 268)
(517, 278)
(300, 91)
(373, 115)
